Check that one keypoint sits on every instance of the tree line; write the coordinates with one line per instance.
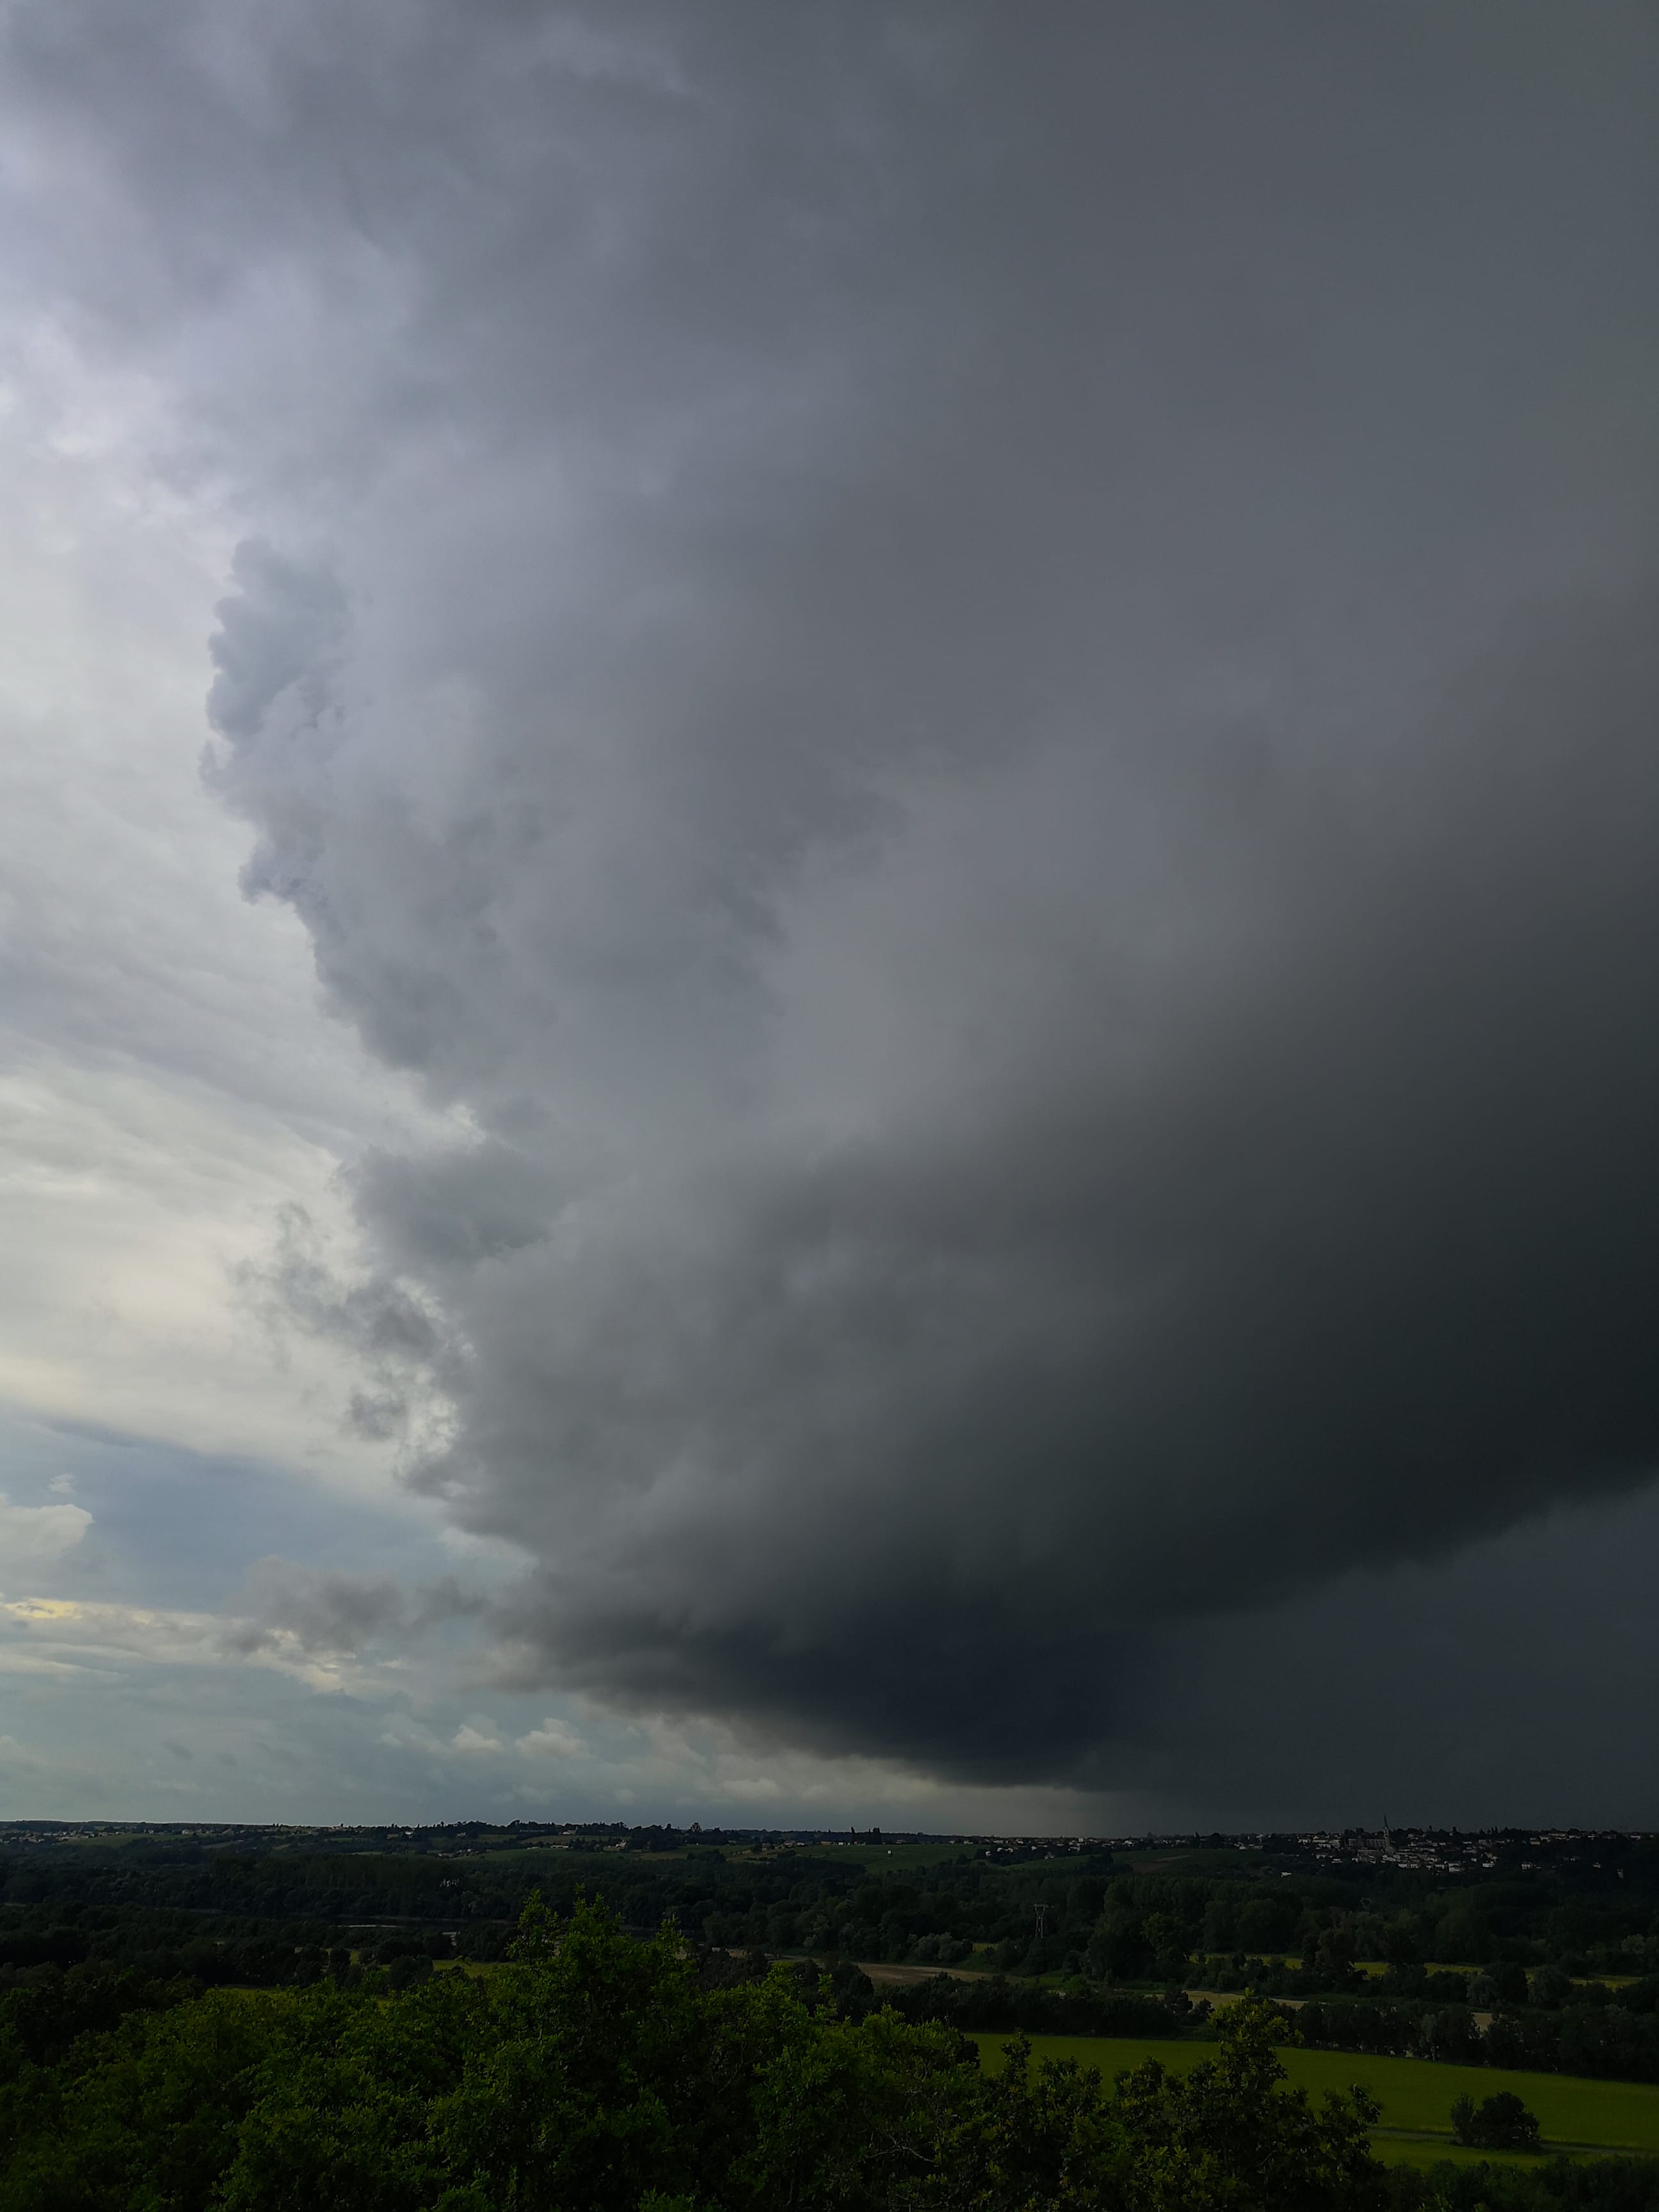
(1502, 1970)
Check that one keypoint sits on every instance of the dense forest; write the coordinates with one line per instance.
(195, 2019)
(596, 2070)
(1545, 1956)
(599, 2071)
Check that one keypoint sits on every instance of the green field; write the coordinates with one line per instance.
(1183, 1859)
(598, 1859)
(888, 1858)
(1416, 2094)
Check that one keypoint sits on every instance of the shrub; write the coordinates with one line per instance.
(1501, 2123)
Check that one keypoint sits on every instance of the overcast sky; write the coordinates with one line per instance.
(829, 934)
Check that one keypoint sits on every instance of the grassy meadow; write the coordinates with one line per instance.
(1416, 2094)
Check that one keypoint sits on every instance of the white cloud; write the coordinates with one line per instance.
(168, 1078)
(62, 1635)
(33, 1536)
(553, 1738)
(472, 1740)
(403, 1732)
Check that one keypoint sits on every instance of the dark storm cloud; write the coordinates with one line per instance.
(981, 684)
(1490, 1688)
(1351, 1259)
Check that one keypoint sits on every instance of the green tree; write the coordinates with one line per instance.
(595, 2073)
(1231, 2133)
(1502, 2123)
